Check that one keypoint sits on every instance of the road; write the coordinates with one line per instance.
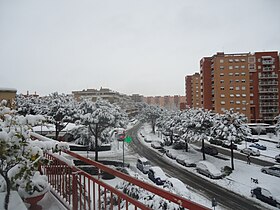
(225, 198)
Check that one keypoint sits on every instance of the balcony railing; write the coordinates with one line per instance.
(268, 83)
(268, 90)
(267, 69)
(268, 76)
(268, 97)
(267, 62)
(77, 189)
(269, 104)
(269, 111)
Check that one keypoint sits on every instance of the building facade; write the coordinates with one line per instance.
(8, 94)
(243, 82)
(175, 102)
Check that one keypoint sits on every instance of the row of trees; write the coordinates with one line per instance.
(96, 119)
(193, 125)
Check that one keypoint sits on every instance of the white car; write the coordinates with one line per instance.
(143, 165)
(250, 151)
(177, 187)
(185, 161)
(272, 170)
(209, 170)
(157, 145)
(157, 175)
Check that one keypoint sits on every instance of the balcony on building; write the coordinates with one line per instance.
(268, 83)
(267, 61)
(267, 68)
(269, 104)
(269, 97)
(268, 76)
(269, 111)
(268, 90)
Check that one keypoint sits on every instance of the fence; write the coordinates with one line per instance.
(78, 189)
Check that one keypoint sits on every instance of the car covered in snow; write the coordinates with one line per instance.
(272, 170)
(177, 187)
(143, 165)
(266, 196)
(227, 144)
(157, 145)
(251, 139)
(185, 161)
(171, 153)
(277, 158)
(157, 175)
(250, 151)
(209, 170)
(210, 150)
(258, 146)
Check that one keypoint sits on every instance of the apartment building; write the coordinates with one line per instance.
(243, 82)
(170, 102)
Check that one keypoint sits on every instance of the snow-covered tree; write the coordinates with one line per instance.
(101, 117)
(167, 122)
(59, 109)
(197, 124)
(231, 126)
(20, 156)
(150, 114)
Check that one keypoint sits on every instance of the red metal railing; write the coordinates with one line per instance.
(78, 189)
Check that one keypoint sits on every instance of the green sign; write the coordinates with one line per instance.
(128, 139)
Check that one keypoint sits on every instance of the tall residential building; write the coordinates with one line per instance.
(243, 82)
(170, 102)
(193, 90)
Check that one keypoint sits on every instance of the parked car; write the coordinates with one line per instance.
(179, 145)
(157, 145)
(143, 165)
(251, 139)
(171, 154)
(277, 158)
(209, 170)
(216, 141)
(250, 151)
(147, 140)
(210, 150)
(227, 144)
(272, 170)
(178, 187)
(258, 146)
(157, 175)
(265, 196)
(184, 160)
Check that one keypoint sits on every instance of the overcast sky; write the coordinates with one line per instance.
(130, 46)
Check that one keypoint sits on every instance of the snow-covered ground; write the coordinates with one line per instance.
(241, 180)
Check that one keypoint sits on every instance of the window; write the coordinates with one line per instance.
(237, 108)
(231, 88)
(230, 67)
(237, 95)
(222, 88)
(244, 102)
(231, 102)
(243, 88)
(251, 60)
(236, 74)
(222, 67)
(231, 95)
(223, 102)
(259, 67)
(230, 81)
(251, 94)
(236, 67)
(222, 95)
(243, 81)
(230, 74)
(243, 60)
(221, 60)
(236, 60)
(244, 95)
(237, 80)
(237, 88)
(242, 67)
(237, 102)
(244, 108)
(222, 74)
(222, 81)
(230, 60)
(243, 74)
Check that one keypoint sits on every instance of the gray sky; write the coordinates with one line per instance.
(130, 46)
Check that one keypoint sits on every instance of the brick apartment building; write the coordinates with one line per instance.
(242, 82)
(175, 102)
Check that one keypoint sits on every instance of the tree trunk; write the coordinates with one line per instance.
(7, 197)
(187, 147)
(56, 130)
(231, 148)
(96, 142)
(203, 152)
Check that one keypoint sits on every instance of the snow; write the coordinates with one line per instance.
(15, 203)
